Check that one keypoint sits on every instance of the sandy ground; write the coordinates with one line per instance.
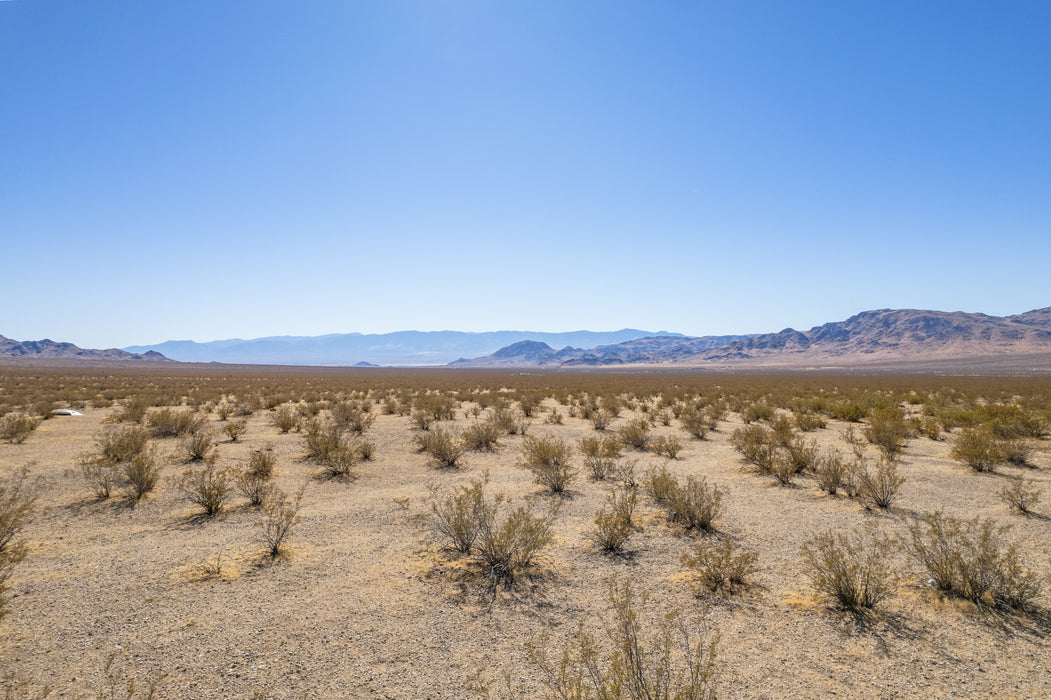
(366, 605)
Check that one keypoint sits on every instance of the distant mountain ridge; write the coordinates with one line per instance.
(398, 348)
(50, 350)
(885, 336)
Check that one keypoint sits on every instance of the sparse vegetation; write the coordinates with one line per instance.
(549, 461)
(16, 427)
(1020, 494)
(18, 499)
(852, 570)
(280, 516)
(613, 524)
(443, 446)
(207, 487)
(722, 565)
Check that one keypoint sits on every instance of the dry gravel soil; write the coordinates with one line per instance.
(365, 604)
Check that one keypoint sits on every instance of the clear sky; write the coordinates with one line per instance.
(209, 169)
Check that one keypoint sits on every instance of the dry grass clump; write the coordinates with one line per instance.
(973, 559)
(674, 660)
(548, 459)
(721, 566)
(16, 427)
(853, 570)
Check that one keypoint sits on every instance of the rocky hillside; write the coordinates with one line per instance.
(650, 350)
(50, 350)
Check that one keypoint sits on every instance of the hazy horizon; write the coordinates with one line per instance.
(206, 171)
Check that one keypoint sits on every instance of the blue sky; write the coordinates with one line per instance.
(204, 170)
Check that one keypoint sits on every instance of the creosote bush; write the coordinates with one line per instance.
(235, 429)
(887, 430)
(198, 447)
(285, 418)
(978, 448)
(482, 436)
(208, 487)
(443, 446)
(140, 475)
(1020, 494)
(548, 459)
(16, 427)
(508, 549)
(877, 488)
(973, 559)
(280, 516)
(675, 660)
(18, 497)
(459, 516)
(167, 422)
(120, 444)
(613, 524)
(635, 434)
(600, 455)
(721, 565)
(665, 446)
(853, 570)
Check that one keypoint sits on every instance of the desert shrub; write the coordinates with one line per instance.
(782, 469)
(351, 417)
(696, 422)
(1020, 494)
(782, 431)
(1016, 451)
(366, 450)
(102, 479)
(262, 462)
(321, 439)
(198, 447)
(721, 566)
(931, 428)
(801, 455)
(808, 422)
(673, 661)
(830, 471)
(421, 420)
(601, 419)
(978, 448)
(118, 444)
(848, 410)
(437, 406)
(624, 473)
(508, 420)
(854, 570)
(973, 559)
(755, 443)
(482, 436)
(880, 487)
(340, 462)
(443, 446)
(224, 410)
(600, 455)
(140, 475)
(16, 427)
(529, 403)
(660, 484)
(509, 548)
(635, 434)
(285, 418)
(235, 429)
(695, 505)
(887, 430)
(666, 446)
(548, 460)
(280, 516)
(133, 410)
(254, 486)
(613, 524)
(208, 487)
(166, 422)
(460, 516)
(18, 498)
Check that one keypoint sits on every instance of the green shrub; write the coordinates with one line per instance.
(978, 448)
(321, 439)
(673, 661)
(140, 475)
(208, 487)
(973, 559)
(696, 422)
(1020, 494)
(166, 422)
(1016, 451)
(878, 488)
(635, 434)
(280, 516)
(254, 486)
(460, 516)
(351, 417)
(482, 436)
(235, 429)
(695, 505)
(133, 410)
(853, 570)
(119, 444)
(508, 549)
(443, 446)
(16, 427)
(665, 446)
(722, 565)
(808, 422)
(830, 472)
(755, 443)
(600, 455)
(757, 412)
(660, 484)
(887, 430)
(613, 524)
(548, 460)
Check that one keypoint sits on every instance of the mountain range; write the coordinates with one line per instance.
(47, 349)
(886, 337)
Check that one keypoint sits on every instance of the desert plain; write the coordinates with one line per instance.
(117, 597)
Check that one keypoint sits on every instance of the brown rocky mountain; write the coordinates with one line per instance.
(886, 339)
(50, 350)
